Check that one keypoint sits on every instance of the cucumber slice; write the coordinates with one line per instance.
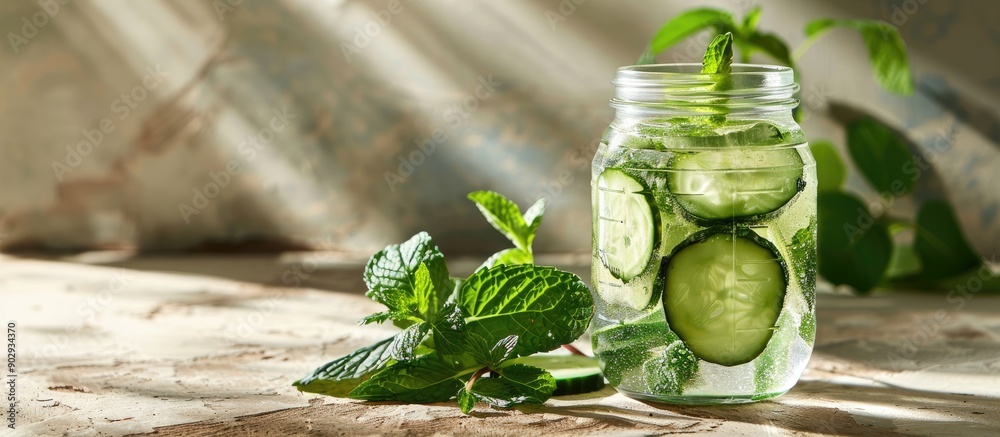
(574, 374)
(729, 183)
(626, 224)
(723, 294)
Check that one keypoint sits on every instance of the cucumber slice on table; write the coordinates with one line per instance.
(723, 292)
(735, 182)
(626, 224)
(574, 374)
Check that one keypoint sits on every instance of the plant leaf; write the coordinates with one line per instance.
(501, 351)
(803, 249)
(533, 219)
(508, 257)
(423, 290)
(504, 215)
(881, 155)
(448, 330)
(682, 26)
(378, 318)
(750, 20)
(340, 376)
(854, 248)
(719, 55)
(904, 262)
(886, 50)
(543, 306)
(516, 384)
(404, 344)
(429, 378)
(939, 243)
(391, 276)
(829, 167)
(466, 401)
(771, 44)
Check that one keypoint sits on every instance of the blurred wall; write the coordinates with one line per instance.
(351, 124)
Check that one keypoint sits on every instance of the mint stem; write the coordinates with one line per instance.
(573, 350)
(475, 377)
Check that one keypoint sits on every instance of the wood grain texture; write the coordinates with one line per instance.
(197, 346)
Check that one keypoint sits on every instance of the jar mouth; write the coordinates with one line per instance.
(769, 74)
(683, 87)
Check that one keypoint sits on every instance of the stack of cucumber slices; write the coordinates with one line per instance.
(723, 288)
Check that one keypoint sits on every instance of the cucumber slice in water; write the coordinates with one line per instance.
(574, 374)
(729, 183)
(723, 294)
(626, 228)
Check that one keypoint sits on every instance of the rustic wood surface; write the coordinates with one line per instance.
(111, 344)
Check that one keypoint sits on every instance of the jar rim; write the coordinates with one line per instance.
(683, 89)
(655, 74)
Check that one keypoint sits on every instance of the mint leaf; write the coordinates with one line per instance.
(543, 306)
(426, 296)
(829, 167)
(501, 351)
(448, 328)
(750, 20)
(508, 257)
(391, 276)
(904, 262)
(377, 318)
(768, 43)
(506, 217)
(466, 401)
(340, 376)
(803, 248)
(533, 219)
(854, 248)
(429, 378)
(719, 55)
(684, 25)
(943, 249)
(515, 384)
(881, 155)
(886, 50)
(669, 373)
(404, 344)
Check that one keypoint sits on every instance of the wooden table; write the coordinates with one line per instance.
(111, 344)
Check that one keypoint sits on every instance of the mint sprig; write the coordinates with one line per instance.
(459, 335)
(519, 228)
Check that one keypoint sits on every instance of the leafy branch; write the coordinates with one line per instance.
(456, 331)
(856, 247)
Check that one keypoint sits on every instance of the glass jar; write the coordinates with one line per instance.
(704, 238)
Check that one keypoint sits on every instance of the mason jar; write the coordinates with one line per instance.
(704, 237)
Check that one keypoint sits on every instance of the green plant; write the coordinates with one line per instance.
(856, 248)
(455, 330)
